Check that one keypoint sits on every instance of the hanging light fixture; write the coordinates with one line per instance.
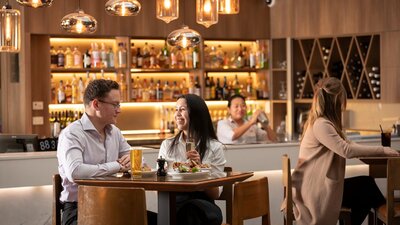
(184, 37)
(35, 3)
(10, 29)
(123, 7)
(228, 6)
(167, 10)
(207, 12)
(79, 22)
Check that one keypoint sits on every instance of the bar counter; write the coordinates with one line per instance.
(25, 178)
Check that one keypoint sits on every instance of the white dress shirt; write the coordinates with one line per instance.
(83, 153)
(225, 133)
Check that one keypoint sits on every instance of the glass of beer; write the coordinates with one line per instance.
(136, 163)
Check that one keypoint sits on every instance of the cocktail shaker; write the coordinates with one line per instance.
(262, 118)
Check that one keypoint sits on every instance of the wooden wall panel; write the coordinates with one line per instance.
(251, 23)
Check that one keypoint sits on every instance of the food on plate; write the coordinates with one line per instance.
(189, 167)
(146, 168)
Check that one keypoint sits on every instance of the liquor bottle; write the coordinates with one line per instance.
(53, 96)
(139, 89)
(69, 58)
(196, 58)
(240, 57)
(110, 58)
(121, 55)
(159, 91)
(77, 55)
(57, 125)
(103, 56)
(176, 91)
(123, 87)
(145, 91)
(236, 85)
(133, 55)
(81, 90)
(183, 87)
(163, 59)
(174, 60)
(153, 58)
(61, 93)
(68, 92)
(226, 62)
(191, 85)
(213, 58)
(225, 91)
(197, 87)
(139, 58)
(146, 55)
(253, 56)
(188, 58)
(246, 58)
(249, 87)
(212, 89)
(96, 59)
(74, 89)
(53, 57)
(134, 90)
(218, 91)
(220, 57)
(87, 61)
(180, 58)
(167, 92)
(207, 88)
(60, 57)
(152, 90)
(52, 118)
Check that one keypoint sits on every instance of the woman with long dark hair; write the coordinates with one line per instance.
(194, 123)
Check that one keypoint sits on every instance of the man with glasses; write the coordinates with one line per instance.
(93, 145)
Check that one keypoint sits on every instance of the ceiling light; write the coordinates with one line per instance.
(35, 3)
(79, 22)
(207, 12)
(167, 10)
(123, 7)
(10, 27)
(228, 6)
(184, 37)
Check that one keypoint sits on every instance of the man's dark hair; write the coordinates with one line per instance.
(233, 97)
(98, 89)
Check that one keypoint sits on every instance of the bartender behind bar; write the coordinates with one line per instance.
(236, 129)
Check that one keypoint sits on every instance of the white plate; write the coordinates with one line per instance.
(189, 175)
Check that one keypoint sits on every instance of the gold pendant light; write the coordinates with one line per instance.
(123, 7)
(228, 6)
(207, 12)
(184, 37)
(79, 22)
(167, 10)
(10, 27)
(35, 3)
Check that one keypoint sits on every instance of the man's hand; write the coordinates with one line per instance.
(125, 163)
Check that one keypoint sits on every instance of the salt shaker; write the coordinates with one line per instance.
(161, 168)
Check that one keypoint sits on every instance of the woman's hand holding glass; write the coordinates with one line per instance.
(193, 155)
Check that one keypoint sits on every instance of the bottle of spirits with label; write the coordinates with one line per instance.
(122, 56)
(53, 57)
(60, 57)
(77, 58)
(87, 61)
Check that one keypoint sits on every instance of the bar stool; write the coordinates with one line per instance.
(390, 212)
(111, 205)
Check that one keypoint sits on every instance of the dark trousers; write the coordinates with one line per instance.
(70, 215)
(361, 194)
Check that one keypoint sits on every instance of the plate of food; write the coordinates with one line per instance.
(188, 175)
(189, 169)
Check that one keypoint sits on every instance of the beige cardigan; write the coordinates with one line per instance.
(319, 175)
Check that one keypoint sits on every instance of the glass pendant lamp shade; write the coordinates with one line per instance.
(184, 37)
(35, 3)
(228, 6)
(167, 10)
(123, 7)
(10, 29)
(207, 12)
(79, 22)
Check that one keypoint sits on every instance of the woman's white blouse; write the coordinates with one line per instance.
(225, 132)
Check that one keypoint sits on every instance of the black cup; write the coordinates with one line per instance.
(385, 139)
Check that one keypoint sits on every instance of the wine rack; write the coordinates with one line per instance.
(355, 60)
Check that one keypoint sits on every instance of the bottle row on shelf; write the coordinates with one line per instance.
(148, 56)
(61, 119)
(149, 90)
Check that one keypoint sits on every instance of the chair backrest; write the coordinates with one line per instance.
(393, 185)
(287, 190)
(251, 200)
(57, 188)
(227, 196)
(111, 205)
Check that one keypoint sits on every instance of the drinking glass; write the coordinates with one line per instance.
(136, 162)
(385, 138)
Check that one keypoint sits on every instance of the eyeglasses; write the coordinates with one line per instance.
(115, 105)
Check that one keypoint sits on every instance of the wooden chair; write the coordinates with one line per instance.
(251, 200)
(288, 218)
(390, 212)
(111, 205)
(57, 188)
(227, 196)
